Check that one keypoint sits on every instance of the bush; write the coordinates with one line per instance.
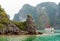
(4, 20)
(1, 26)
(20, 25)
(2, 12)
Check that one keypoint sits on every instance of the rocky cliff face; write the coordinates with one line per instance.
(26, 9)
(51, 9)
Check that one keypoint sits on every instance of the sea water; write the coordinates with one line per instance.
(44, 37)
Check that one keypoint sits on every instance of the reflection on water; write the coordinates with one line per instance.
(30, 38)
(18, 38)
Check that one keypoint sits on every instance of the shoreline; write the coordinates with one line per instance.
(19, 34)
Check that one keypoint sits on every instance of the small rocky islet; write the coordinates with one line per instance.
(8, 27)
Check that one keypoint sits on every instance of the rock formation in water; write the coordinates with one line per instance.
(12, 27)
(30, 26)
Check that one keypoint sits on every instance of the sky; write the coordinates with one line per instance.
(13, 6)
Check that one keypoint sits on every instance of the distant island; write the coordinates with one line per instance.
(51, 11)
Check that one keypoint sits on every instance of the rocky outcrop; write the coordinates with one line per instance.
(30, 27)
(11, 28)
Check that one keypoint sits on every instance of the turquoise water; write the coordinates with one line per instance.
(48, 37)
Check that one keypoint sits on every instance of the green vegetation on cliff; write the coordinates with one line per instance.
(3, 18)
(20, 25)
(1, 26)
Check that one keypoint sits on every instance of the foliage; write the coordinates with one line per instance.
(29, 15)
(20, 25)
(1, 26)
(2, 12)
(4, 21)
(3, 18)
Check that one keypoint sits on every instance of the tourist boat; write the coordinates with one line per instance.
(49, 29)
